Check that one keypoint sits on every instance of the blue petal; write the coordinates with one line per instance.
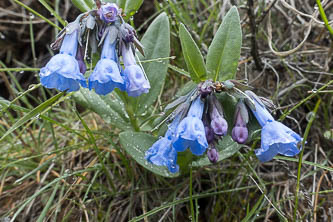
(69, 44)
(191, 134)
(276, 138)
(196, 108)
(261, 114)
(106, 77)
(136, 82)
(62, 72)
(161, 153)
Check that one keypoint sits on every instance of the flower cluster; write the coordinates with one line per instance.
(199, 124)
(65, 71)
(183, 133)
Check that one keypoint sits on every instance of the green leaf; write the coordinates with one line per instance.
(131, 6)
(156, 42)
(109, 107)
(136, 144)
(33, 113)
(83, 5)
(120, 3)
(192, 55)
(224, 51)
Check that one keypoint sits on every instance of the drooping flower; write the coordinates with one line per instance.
(213, 155)
(162, 153)
(127, 32)
(108, 12)
(240, 132)
(62, 72)
(136, 82)
(218, 123)
(191, 131)
(276, 138)
(106, 75)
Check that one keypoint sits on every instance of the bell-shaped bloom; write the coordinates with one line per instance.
(213, 155)
(276, 138)
(218, 123)
(240, 132)
(161, 153)
(108, 12)
(136, 81)
(106, 75)
(191, 131)
(62, 72)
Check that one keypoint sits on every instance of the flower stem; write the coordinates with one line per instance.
(324, 18)
(191, 200)
(306, 133)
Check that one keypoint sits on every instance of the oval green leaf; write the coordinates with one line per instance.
(224, 51)
(192, 55)
(156, 42)
(109, 107)
(83, 5)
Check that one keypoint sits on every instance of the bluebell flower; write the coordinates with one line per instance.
(106, 75)
(191, 131)
(162, 153)
(136, 81)
(108, 12)
(276, 138)
(62, 72)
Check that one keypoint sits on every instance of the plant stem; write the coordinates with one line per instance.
(324, 18)
(306, 133)
(191, 200)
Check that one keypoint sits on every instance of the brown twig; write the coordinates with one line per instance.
(253, 27)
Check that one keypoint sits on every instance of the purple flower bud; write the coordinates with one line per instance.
(218, 123)
(101, 31)
(127, 32)
(80, 60)
(213, 155)
(205, 88)
(108, 12)
(209, 134)
(240, 132)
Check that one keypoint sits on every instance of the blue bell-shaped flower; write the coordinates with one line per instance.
(136, 81)
(106, 75)
(162, 153)
(191, 131)
(276, 138)
(62, 72)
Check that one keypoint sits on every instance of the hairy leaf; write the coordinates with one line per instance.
(192, 55)
(224, 51)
